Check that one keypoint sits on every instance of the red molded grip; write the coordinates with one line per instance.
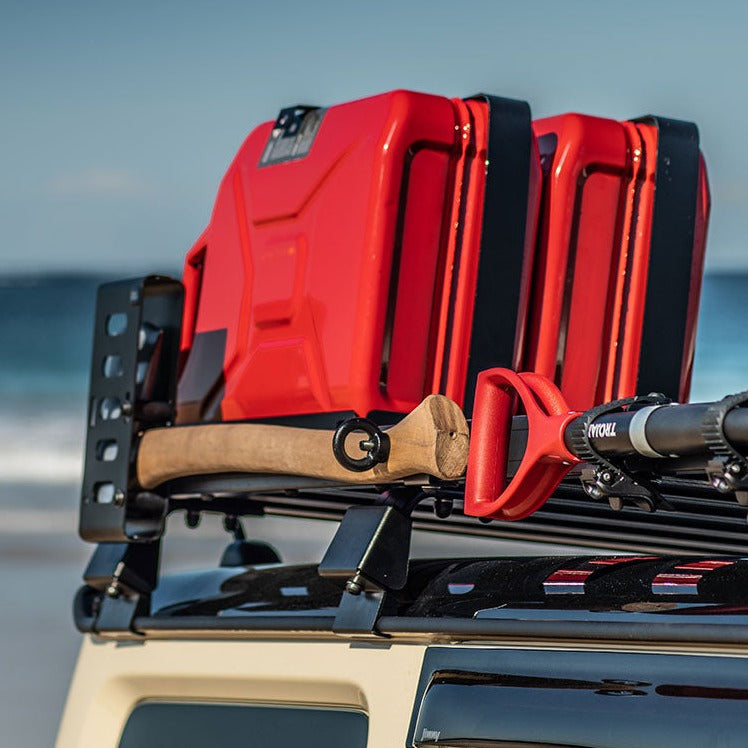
(546, 460)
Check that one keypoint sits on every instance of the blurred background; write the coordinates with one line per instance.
(118, 120)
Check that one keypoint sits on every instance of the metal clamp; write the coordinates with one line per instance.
(608, 480)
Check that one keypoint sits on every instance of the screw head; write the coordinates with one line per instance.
(593, 491)
(353, 587)
(720, 484)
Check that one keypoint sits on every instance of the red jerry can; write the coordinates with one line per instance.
(620, 257)
(361, 257)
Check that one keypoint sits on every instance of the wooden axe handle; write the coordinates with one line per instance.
(431, 440)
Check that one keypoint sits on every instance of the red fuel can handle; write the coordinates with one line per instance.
(546, 461)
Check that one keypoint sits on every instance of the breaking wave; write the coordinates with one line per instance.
(41, 444)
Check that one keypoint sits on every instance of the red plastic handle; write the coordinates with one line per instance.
(546, 460)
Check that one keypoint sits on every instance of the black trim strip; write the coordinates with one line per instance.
(502, 250)
(458, 628)
(670, 257)
(236, 623)
(624, 632)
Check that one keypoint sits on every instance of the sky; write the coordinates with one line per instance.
(117, 120)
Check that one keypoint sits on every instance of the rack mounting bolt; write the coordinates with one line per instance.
(355, 585)
(720, 484)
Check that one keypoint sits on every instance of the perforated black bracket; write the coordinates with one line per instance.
(132, 387)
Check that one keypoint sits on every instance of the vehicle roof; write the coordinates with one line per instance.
(647, 597)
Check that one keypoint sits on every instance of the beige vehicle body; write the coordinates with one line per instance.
(379, 679)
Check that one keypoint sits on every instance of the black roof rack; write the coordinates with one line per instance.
(603, 598)
(133, 381)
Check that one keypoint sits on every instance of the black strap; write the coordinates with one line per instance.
(670, 256)
(502, 248)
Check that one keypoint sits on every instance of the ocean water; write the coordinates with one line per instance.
(45, 348)
(45, 344)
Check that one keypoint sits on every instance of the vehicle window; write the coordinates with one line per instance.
(510, 698)
(201, 725)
